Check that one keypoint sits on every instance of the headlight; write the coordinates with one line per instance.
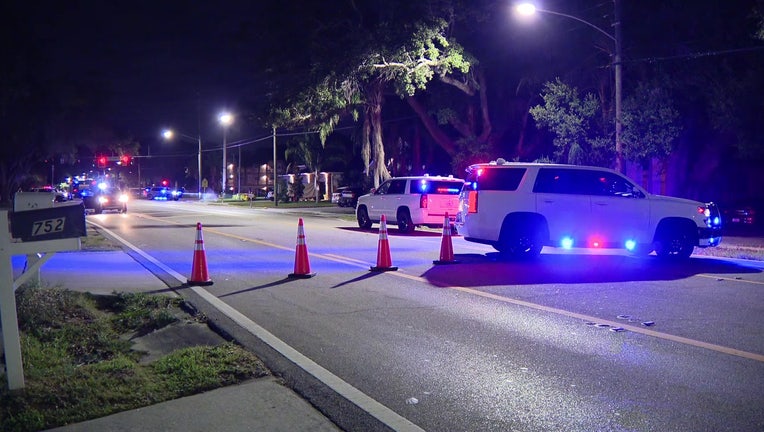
(103, 200)
(123, 198)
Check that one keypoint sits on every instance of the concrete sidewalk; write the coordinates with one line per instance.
(258, 405)
(262, 404)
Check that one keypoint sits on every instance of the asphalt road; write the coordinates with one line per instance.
(484, 344)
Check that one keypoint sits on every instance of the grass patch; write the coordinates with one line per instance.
(732, 251)
(95, 241)
(79, 365)
(750, 247)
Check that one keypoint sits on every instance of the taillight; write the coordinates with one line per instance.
(472, 204)
(423, 201)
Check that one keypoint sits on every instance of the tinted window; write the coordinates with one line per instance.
(382, 189)
(609, 184)
(397, 186)
(437, 187)
(566, 181)
(583, 182)
(506, 179)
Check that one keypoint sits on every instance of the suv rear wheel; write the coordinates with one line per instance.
(520, 240)
(405, 224)
(363, 218)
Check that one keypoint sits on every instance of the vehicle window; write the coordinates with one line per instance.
(565, 181)
(505, 179)
(610, 184)
(397, 186)
(437, 187)
(383, 188)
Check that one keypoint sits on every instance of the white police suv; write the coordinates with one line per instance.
(518, 208)
(411, 202)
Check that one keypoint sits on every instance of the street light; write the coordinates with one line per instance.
(530, 9)
(225, 120)
(168, 134)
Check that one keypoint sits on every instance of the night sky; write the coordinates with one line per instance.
(178, 63)
(159, 63)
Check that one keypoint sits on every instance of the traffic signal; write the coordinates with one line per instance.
(125, 159)
(165, 182)
(101, 161)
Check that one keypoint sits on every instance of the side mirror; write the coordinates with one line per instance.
(373, 190)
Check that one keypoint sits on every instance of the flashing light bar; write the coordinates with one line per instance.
(448, 190)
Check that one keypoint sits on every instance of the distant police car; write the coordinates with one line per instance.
(162, 193)
(518, 208)
(411, 202)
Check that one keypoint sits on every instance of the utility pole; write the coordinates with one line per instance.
(617, 65)
(275, 183)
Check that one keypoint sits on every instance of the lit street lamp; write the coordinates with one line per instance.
(168, 135)
(225, 120)
(529, 9)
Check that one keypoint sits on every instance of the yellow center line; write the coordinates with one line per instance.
(509, 300)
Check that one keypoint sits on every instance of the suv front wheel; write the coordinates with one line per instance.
(676, 242)
(363, 218)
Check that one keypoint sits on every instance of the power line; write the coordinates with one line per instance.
(696, 55)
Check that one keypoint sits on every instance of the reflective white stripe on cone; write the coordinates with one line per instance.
(199, 274)
(384, 260)
(446, 247)
(301, 261)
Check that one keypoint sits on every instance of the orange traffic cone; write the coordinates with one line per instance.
(199, 274)
(446, 248)
(384, 260)
(301, 262)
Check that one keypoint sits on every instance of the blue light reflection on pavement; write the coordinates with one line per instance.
(95, 272)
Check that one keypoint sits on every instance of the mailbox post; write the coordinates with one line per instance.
(32, 228)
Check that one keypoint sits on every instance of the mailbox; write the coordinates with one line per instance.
(57, 222)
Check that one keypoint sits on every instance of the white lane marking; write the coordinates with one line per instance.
(382, 413)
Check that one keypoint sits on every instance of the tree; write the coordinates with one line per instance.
(572, 120)
(308, 150)
(430, 55)
(650, 128)
(23, 105)
(402, 57)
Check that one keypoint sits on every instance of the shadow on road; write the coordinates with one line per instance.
(255, 288)
(492, 269)
(357, 279)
